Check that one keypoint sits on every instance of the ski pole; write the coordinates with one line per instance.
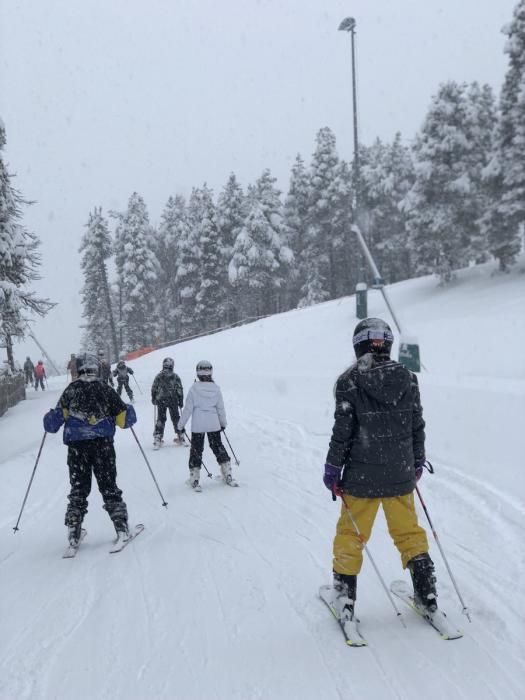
(138, 385)
(16, 528)
(164, 503)
(231, 448)
(363, 542)
(195, 452)
(465, 609)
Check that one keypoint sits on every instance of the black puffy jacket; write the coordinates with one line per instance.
(378, 434)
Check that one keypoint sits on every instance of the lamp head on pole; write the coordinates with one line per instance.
(347, 25)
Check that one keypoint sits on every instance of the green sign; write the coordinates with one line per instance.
(409, 355)
(361, 307)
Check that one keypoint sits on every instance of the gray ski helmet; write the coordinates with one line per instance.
(372, 335)
(168, 363)
(204, 368)
(88, 364)
(121, 364)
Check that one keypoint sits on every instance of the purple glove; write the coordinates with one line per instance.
(331, 476)
(418, 466)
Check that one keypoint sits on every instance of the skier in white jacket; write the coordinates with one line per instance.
(205, 405)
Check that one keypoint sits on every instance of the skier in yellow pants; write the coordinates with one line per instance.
(376, 456)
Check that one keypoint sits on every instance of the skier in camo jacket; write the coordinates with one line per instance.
(167, 395)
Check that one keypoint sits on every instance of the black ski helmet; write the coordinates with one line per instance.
(121, 364)
(372, 335)
(204, 368)
(88, 365)
(168, 363)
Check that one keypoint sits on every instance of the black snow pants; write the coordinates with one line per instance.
(124, 383)
(29, 377)
(162, 409)
(97, 457)
(39, 380)
(197, 447)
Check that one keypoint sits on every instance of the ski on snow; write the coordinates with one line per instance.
(71, 550)
(350, 628)
(120, 542)
(438, 620)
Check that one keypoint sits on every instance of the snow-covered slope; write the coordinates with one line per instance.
(218, 596)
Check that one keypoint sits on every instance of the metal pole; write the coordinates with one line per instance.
(137, 383)
(354, 97)
(164, 503)
(465, 609)
(231, 448)
(50, 361)
(16, 528)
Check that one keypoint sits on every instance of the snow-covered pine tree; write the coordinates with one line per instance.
(260, 259)
(386, 176)
(481, 111)
(231, 211)
(137, 269)
(19, 262)
(505, 174)
(211, 294)
(188, 269)
(96, 248)
(295, 219)
(318, 252)
(344, 243)
(172, 231)
(442, 203)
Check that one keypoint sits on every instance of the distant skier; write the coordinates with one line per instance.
(90, 410)
(205, 406)
(29, 371)
(40, 375)
(376, 455)
(72, 367)
(104, 373)
(167, 394)
(122, 372)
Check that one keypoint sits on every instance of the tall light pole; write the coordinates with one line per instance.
(349, 25)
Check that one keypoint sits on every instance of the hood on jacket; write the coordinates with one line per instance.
(386, 382)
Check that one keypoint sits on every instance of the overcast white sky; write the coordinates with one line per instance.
(104, 97)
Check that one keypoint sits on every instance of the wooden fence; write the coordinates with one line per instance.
(12, 390)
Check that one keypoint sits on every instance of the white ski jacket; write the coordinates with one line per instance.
(205, 406)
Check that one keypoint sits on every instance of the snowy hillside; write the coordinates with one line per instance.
(218, 597)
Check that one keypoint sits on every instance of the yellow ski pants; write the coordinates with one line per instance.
(400, 513)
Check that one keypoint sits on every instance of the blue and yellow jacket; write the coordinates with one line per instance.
(90, 410)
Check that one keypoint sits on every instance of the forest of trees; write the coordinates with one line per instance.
(454, 196)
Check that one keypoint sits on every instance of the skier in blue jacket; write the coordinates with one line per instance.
(89, 409)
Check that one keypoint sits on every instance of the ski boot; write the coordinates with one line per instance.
(157, 442)
(74, 531)
(345, 587)
(122, 530)
(421, 570)
(194, 479)
(226, 471)
(179, 439)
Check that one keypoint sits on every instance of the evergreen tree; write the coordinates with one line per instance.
(188, 270)
(137, 269)
(211, 293)
(96, 248)
(19, 262)
(295, 219)
(318, 253)
(172, 231)
(344, 243)
(231, 212)
(260, 259)
(442, 205)
(387, 174)
(505, 174)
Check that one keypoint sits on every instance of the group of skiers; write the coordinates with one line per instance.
(376, 453)
(90, 409)
(34, 375)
